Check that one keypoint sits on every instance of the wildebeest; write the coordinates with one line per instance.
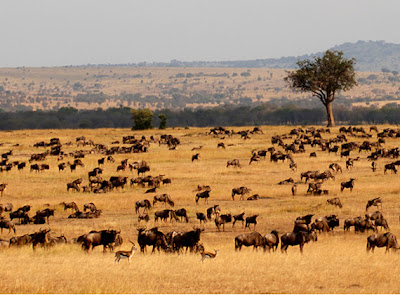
(142, 203)
(70, 205)
(203, 195)
(221, 220)
(254, 239)
(234, 163)
(187, 239)
(151, 237)
(251, 220)
(61, 167)
(118, 181)
(182, 214)
(271, 241)
(45, 213)
(201, 217)
(40, 237)
(391, 167)
(335, 202)
(286, 181)
(7, 224)
(213, 210)
(347, 184)
(363, 225)
(336, 167)
(387, 240)
(240, 191)
(2, 188)
(294, 189)
(163, 215)
(57, 240)
(297, 238)
(89, 206)
(21, 240)
(238, 217)
(144, 217)
(382, 222)
(374, 202)
(97, 238)
(196, 157)
(349, 222)
(165, 198)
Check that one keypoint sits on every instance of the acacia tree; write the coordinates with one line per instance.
(323, 77)
(142, 118)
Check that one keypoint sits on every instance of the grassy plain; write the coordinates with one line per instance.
(55, 87)
(337, 263)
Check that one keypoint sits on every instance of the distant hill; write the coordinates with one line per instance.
(371, 56)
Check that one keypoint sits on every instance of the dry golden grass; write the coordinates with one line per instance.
(337, 263)
(55, 85)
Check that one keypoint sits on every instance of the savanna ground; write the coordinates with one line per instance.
(157, 88)
(336, 263)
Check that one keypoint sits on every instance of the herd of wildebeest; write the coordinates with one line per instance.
(305, 228)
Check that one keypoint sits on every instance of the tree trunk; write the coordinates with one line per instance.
(329, 112)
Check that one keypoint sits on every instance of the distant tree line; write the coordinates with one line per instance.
(266, 114)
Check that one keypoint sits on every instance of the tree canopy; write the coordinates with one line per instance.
(143, 119)
(324, 77)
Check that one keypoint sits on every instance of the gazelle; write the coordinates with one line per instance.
(210, 255)
(125, 254)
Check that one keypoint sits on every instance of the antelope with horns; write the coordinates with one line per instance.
(210, 255)
(125, 254)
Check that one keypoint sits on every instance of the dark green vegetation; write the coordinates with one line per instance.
(324, 77)
(219, 116)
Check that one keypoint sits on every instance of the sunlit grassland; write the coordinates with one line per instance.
(336, 263)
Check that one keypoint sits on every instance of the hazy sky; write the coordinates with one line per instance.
(78, 32)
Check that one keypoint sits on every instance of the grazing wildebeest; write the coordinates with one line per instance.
(57, 240)
(196, 157)
(166, 181)
(234, 163)
(182, 214)
(89, 206)
(142, 203)
(151, 237)
(254, 239)
(2, 188)
(251, 220)
(347, 184)
(97, 238)
(374, 216)
(163, 215)
(165, 198)
(313, 155)
(307, 175)
(70, 205)
(21, 166)
(61, 167)
(240, 191)
(390, 166)
(297, 238)
(213, 210)
(238, 217)
(40, 237)
(387, 240)
(203, 195)
(73, 185)
(187, 239)
(221, 144)
(221, 220)
(255, 158)
(374, 202)
(349, 222)
(201, 217)
(7, 224)
(364, 225)
(335, 202)
(151, 190)
(45, 213)
(382, 222)
(144, 217)
(271, 241)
